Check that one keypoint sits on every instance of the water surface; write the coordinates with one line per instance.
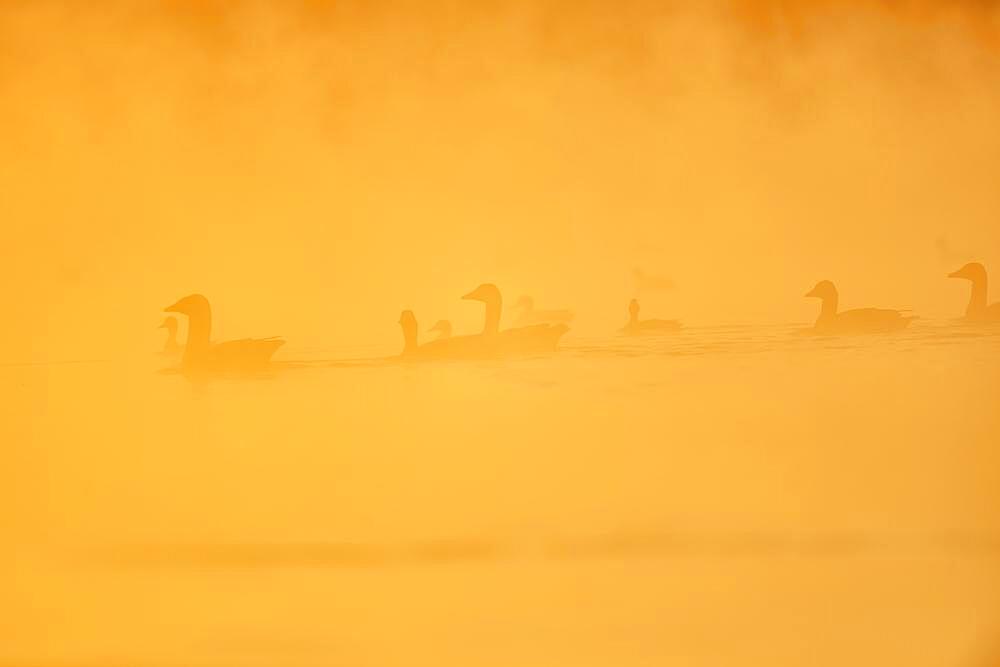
(741, 495)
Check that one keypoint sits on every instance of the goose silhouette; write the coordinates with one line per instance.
(857, 321)
(637, 327)
(977, 310)
(442, 348)
(491, 343)
(532, 339)
(528, 315)
(171, 347)
(200, 354)
(443, 329)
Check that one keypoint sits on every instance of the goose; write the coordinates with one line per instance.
(637, 327)
(528, 315)
(200, 354)
(533, 339)
(977, 310)
(443, 347)
(443, 327)
(171, 347)
(857, 321)
(490, 344)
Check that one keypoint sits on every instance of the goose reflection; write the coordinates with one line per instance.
(857, 321)
(978, 309)
(200, 354)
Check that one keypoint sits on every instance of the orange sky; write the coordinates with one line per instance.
(316, 168)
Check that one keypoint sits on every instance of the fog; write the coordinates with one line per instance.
(742, 488)
(315, 169)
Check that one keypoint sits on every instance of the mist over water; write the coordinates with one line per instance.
(739, 491)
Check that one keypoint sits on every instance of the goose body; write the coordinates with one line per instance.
(529, 315)
(171, 347)
(443, 347)
(443, 329)
(851, 322)
(979, 309)
(200, 354)
(492, 343)
(637, 327)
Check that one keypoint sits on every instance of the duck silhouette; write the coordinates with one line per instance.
(443, 329)
(528, 315)
(491, 343)
(977, 310)
(171, 347)
(637, 327)
(857, 321)
(200, 354)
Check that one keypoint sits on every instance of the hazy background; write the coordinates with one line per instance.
(718, 497)
(314, 168)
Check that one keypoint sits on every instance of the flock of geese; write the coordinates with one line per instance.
(537, 332)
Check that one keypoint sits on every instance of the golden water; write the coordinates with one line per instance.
(741, 495)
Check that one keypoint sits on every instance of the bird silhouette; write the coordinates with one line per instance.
(492, 343)
(637, 327)
(857, 321)
(170, 347)
(978, 309)
(200, 354)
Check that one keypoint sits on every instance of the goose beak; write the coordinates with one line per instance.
(173, 309)
(956, 274)
(472, 296)
(811, 293)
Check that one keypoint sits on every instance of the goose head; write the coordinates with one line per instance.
(408, 321)
(487, 293)
(973, 271)
(170, 324)
(193, 305)
(823, 290)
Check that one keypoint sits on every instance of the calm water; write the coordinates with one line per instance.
(729, 496)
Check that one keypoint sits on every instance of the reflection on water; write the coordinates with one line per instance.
(715, 496)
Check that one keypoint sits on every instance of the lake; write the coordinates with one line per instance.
(722, 496)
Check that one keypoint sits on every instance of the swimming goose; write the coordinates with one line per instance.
(442, 348)
(637, 327)
(977, 310)
(201, 354)
(443, 327)
(171, 347)
(857, 321)
(531, 339)
(528, 315)
(490, 344)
